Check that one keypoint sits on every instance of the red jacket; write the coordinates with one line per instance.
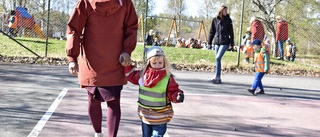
(150, 79)
(282, 31)
(97, 33)
(257, 30)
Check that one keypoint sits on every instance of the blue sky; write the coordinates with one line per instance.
(191, 8)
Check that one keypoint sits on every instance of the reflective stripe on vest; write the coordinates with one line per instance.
(259, 62)
(155, 97)
(248, 51)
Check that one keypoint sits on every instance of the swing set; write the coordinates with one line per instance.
(173, 26)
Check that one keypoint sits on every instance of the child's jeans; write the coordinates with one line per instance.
(153, 130)
(293, 54)
(11, 31)
(292, 58)
(257, 81)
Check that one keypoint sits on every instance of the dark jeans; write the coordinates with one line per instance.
(11, 32)
(280, 47)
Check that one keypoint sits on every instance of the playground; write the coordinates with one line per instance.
(26, 24)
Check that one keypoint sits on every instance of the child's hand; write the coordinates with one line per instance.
(177, 97)
(180, 97)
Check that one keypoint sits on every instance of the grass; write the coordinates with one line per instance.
(56, 48)
(180, 57)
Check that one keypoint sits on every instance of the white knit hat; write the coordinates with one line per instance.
(154, 51)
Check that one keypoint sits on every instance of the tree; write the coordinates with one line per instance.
(21, 3)
(177, 7)
(301, 15)
(144, 8)
(3, 7)
(141, 6)
(38, 9)
(58, 22)
(208, 9)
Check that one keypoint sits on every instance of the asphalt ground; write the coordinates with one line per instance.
(45, 101)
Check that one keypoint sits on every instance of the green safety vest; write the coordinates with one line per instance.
(155, 97)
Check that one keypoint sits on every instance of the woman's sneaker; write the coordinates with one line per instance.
(211, 80)
(215, 81)
(98, 135)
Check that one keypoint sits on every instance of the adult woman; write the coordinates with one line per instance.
(281, 35)
(257, 29)
(221, 33)
(99, 33)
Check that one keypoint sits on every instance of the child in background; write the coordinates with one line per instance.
(149, 37)
(184, 43)
(266, 45)
(157, 89)
(261, 61)
(179, 43)
(247, 47)
(13, 23)
(291, 51)
(245, 39)
(190, 43)
(156, 42)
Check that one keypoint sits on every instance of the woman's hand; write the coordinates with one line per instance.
(73, 68)
(125, 59)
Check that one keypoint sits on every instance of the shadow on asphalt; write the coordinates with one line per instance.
(233, 88)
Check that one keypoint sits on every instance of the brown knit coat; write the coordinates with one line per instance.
(97, 33)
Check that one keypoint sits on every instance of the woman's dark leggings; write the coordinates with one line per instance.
(113, 116)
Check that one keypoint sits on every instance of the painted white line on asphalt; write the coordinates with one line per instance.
(42, 122)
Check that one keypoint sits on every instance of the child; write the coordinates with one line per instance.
(180, 44)
(190, 43)
(157, 89)
(149, 37)
(291, 51)
(262, 67)
(156, 42)
(247, 50)
(266, 44)
(13, 23)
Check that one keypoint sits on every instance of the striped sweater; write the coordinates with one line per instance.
(155, 116)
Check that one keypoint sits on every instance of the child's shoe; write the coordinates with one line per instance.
(246, 60)
(261, 91)
(217, 81)
(98, 135)
(251, 91)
